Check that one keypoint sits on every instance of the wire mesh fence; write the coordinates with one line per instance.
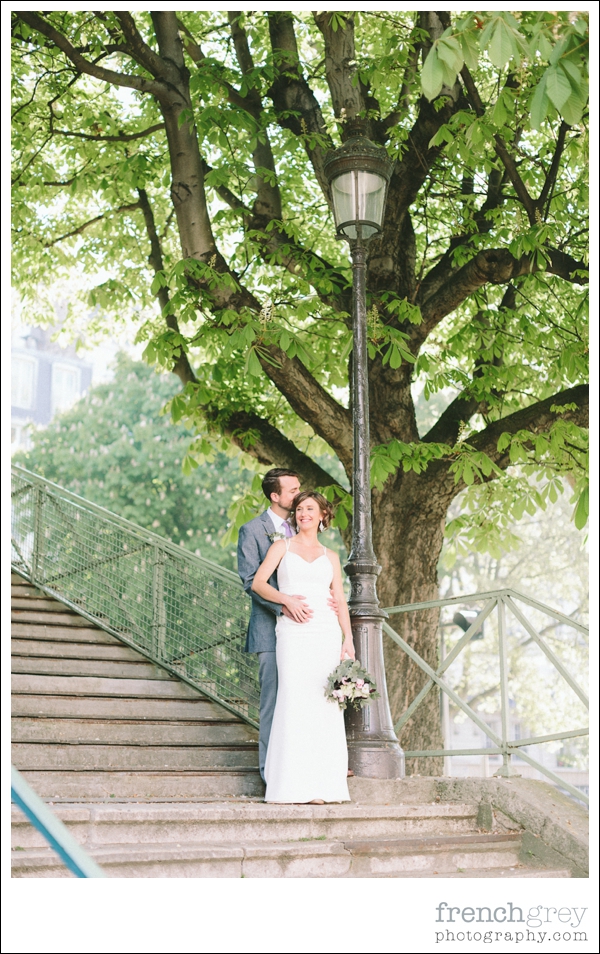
(180, 610)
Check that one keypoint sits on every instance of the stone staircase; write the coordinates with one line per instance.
(156, 780)
(93, 718)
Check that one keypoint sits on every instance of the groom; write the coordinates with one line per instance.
(279, 486)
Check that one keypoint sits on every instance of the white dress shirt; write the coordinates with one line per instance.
(278, 522)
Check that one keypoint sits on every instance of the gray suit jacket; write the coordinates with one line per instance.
(253, 544)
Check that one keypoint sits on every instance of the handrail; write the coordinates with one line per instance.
(54, 831)
(501, 600)
(178, 609)
(148, 536)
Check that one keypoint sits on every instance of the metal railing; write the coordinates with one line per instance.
(179, 610)
(54, 831)
(502, 601)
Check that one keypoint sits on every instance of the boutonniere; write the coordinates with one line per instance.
(278, 535)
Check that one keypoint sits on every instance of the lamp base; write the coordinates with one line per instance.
(373, 748)
(370, 758)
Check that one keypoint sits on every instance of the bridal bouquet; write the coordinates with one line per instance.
(350, 683)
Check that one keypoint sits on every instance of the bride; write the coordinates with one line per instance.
(307, 758)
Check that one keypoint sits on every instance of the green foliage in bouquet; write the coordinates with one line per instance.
(351, 683)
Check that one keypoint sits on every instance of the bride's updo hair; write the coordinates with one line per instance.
(323, 505)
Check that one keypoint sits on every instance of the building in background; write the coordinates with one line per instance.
(45, 378)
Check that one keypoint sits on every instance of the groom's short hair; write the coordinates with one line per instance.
(271, 483)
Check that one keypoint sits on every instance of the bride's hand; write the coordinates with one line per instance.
(296, 608)
(347, 650)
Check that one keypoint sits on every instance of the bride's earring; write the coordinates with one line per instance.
(321, 527)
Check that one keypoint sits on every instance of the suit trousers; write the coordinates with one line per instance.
(267, 673)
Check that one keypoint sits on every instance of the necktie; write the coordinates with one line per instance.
(287, 529)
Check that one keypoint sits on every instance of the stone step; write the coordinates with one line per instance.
(169, 688)
(74, 650)
(518, 871)
(309, 859)
(38, 603)
(131, 733)
(25, 590)
(77, 634)
(197, 709)
(62, 617)
(139, 668)
(121, 758)
(219, 784)
(205, 824)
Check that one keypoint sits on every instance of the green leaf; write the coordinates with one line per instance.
(582, 510)
(395, 357)
(499, 114)
(284, 340)
(502, 46)
(253, 365)
(470, 49)
(432, 75)
(558, 87)
(539, 104)
(450, 52)
(572, 110)
(544, 46)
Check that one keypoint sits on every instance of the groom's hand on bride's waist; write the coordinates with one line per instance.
(301, 614)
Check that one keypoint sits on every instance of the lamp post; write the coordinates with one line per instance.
(358, 173)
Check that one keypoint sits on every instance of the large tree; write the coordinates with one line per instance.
(181, 157)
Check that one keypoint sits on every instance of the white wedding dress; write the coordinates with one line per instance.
(307, 757)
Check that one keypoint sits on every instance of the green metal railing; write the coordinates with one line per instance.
(181, 611)
(54, 831)
(501, 602)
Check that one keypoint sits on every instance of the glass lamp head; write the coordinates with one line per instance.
(358, 173)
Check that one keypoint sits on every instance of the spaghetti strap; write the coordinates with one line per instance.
(324, 550)
(287, 543)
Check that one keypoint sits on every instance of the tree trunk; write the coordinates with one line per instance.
(408, 534)
(187, 185)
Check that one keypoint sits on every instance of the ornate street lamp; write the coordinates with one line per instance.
(359, 173)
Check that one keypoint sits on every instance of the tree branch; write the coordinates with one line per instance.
(410, 72)
(122, 137)
(443, 270)
(138, 49)
(86, 225)
(312, 403)
(129, 80)
(494, 266)
(519, 186)
(267, 205)
(270, 447)
(194, 51)
(536, 418)
(228, 197)
(181, 366)
(550, 180)
(394, 267)
(447, 428)
(291, 95)
(348, 98)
